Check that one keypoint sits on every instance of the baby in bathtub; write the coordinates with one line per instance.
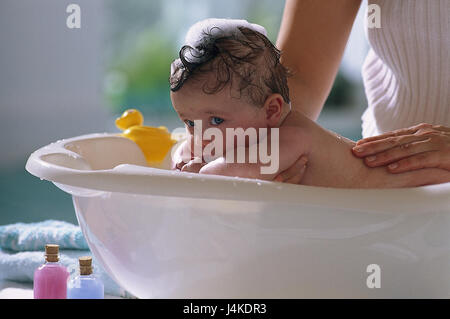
(228, 76)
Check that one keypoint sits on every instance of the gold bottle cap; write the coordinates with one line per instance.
(85, 265)
(51, 253)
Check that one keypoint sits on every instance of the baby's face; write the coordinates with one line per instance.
(219, 110)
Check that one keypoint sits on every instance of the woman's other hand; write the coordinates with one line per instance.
(293, 174)
(416, 147)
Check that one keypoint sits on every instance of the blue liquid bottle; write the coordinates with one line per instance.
(86, 285)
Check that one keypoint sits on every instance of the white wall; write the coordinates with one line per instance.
(50, 76)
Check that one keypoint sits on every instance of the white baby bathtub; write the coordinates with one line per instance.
(165, 234)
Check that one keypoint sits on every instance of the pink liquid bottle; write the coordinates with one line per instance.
(50, 279)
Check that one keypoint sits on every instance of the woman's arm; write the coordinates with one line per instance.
(312, 37)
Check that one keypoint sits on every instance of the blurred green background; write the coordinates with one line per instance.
(58, 82)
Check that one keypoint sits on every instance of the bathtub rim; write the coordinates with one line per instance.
(144, 180)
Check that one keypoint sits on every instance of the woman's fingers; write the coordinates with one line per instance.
(420, 146)
(432, 159)
(398, 153)
(442, 128)
(387, 143)
(422, 132)
(293, 174)
(404, 131)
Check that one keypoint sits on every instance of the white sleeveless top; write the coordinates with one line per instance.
(406, 73)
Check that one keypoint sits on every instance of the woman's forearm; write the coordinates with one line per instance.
(312, 37)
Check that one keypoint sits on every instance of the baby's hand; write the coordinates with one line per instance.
(193, 166)
(184, 161)
(181, 157)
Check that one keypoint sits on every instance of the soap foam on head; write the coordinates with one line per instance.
(218, 28)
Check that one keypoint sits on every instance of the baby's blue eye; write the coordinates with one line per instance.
(189, 123)
(216, 120)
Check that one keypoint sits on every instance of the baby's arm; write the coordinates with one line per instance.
(289, 150)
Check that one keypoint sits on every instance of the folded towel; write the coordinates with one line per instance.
(34, 236)
(22, 249)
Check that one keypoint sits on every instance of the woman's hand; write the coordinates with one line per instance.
(416, 147)
(293, 174)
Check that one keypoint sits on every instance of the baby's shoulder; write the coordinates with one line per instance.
(293, 119)
(291, 125)
(291, 131)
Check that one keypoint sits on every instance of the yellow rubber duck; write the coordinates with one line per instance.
(154, 142)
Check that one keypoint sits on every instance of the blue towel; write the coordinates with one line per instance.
(22, 251)
(34, 236)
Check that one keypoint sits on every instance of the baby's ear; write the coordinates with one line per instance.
(274, 109)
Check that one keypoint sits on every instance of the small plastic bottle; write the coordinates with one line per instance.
(86, 285)
(50, 279)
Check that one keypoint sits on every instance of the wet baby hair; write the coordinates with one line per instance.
(246, 59)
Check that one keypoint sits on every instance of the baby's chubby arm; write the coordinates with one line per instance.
(290, 148)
